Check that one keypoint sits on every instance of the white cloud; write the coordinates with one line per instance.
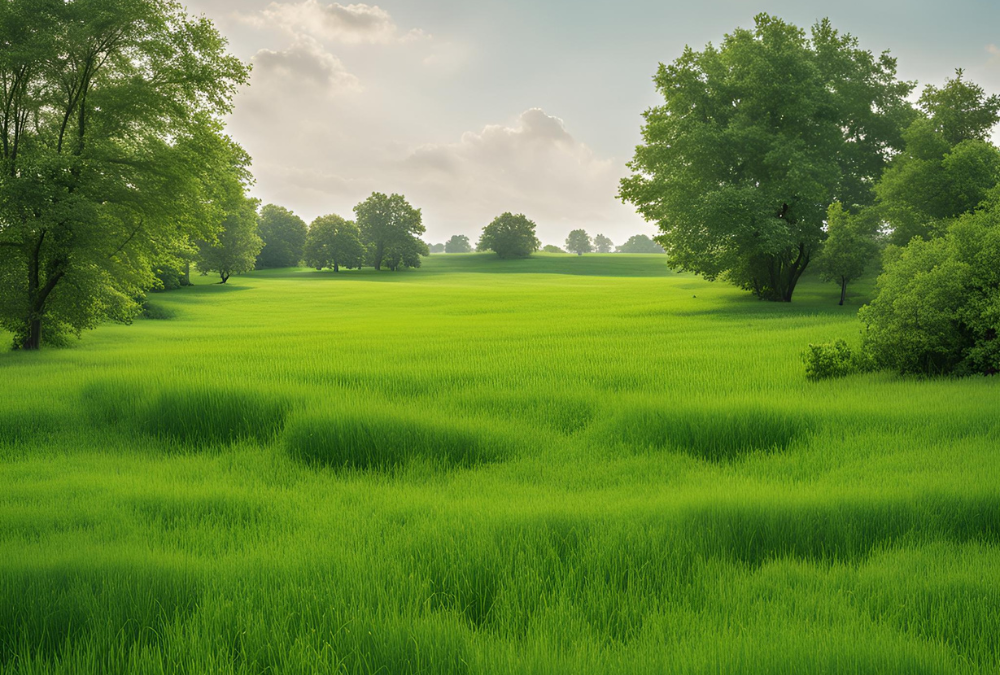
(351, 24)
(305, 63)
(534, 166)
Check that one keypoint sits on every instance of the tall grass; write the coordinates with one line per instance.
(559, 465)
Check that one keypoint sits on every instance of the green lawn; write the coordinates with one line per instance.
(557, 465)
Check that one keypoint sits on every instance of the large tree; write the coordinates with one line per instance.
(509, 236)
(754, 141)
(579, 242)
(603, 244)
(948, 165)
(334, 242)
(284, 235)
(236, 246)
(108, 154)
(388, 222)
(459, 243)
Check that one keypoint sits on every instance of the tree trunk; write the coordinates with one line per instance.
(843, 289)
(33, 340)
(187, 274)
(336, 267)
(224, 276)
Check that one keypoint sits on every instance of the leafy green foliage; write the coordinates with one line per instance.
(947, 167)
(754, 140)
(640, 243)
(436, 248)
(509, 236)
(552, 248)
(849, 247)
(235, 248)
(579, 242)
(389, 228)
(834, 359)
(334, 242)
(110, 155)
(937, 307)
(603, 244)
(459, 243)
(284, 236)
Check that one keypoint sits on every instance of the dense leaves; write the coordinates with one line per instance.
(284, 236)
(509, 236)
(938, 304)
(579, 242)
(755, 139)
(849, 249)
(640, 243)
(235, 248)
(334, 242)
(389, 228)
(459, 243)
(603, 244)
(110, 155)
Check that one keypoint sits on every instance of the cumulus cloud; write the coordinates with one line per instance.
(305, 63)
(352, 24)
(535, 166)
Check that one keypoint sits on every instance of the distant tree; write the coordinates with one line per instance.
(755, 139)
(603, 245)
(284, 236)
(849, 248)
(110, 151)
(578, 242)
(403, 253)
(640, 243)
(937, 303)
(458, 243)
(235, 248)
(334, 242)
(509, 236)
(551, 248)
(389, 222)
(947, 167)
(437, 248)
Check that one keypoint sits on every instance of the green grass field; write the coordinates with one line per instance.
(556, 465)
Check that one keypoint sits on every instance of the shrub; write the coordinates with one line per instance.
(832, 359)
(937, 305)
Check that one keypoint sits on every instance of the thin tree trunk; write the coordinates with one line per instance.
(33, 341)
(224, 276)
(843, 289)
(336, 267)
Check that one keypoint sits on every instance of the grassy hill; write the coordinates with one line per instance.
(563, 464)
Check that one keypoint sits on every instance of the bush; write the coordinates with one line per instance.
(832, 359)
(937, 305)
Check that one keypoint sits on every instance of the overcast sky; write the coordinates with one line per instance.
(475, 107)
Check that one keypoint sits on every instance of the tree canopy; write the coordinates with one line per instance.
(754, 141)
(640, 243)
(334, 242)
(389, 224)
(579, 242)
(937, 307)
(849, 247)
(603, 244)
(110, 151)
(284, 236)
(459, 243)
(947, 167)
(236, 246)
(509, 236)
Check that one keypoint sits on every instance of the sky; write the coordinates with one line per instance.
(475, 107)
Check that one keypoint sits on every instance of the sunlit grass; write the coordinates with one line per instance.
(565, 464)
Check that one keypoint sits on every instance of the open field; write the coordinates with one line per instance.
(556, 465)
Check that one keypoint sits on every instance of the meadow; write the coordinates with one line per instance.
(555, 465)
